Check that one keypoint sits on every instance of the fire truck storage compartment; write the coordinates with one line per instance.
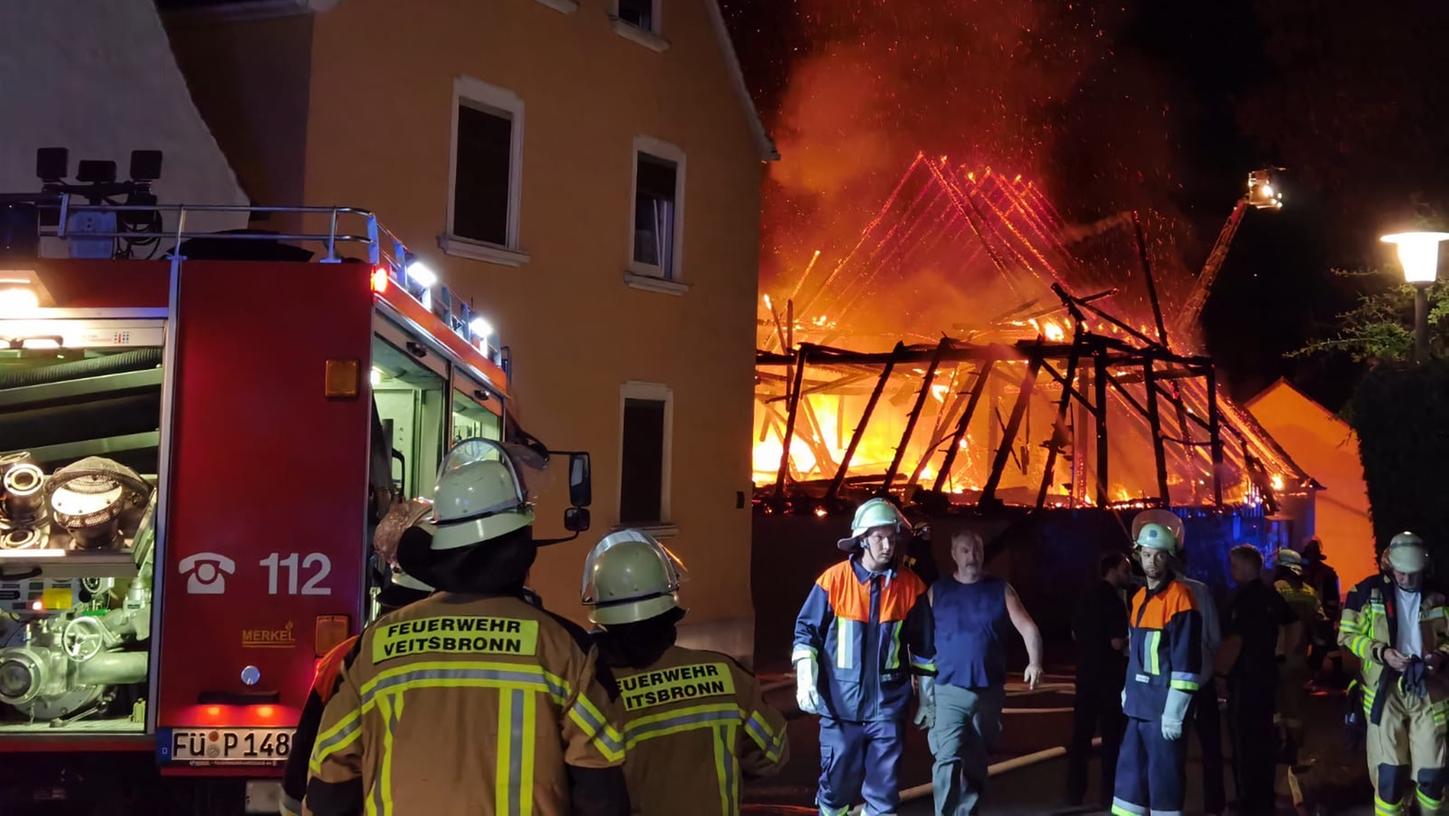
(80, 431)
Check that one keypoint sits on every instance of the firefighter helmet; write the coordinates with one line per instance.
(1407, 553)
(871, 514)
(1164, 521)
(630, 577)
(1291, 560)
(480, 495)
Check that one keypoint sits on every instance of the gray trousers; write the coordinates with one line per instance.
(968, 721)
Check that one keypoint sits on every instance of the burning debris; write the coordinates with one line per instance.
(971, 347)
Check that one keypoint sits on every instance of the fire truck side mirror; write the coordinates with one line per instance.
(576, 519)
(581, 491)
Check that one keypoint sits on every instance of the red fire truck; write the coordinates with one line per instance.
(194, 451)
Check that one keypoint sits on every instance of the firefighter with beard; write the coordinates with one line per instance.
(864, 631)
(694, 722)
(1163, 669)
(1399, 630)
(473, 700)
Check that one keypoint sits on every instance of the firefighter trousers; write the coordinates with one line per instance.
(1407, 749)
(860, 759)
(1151, 771)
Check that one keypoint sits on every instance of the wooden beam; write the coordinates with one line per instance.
(963, 424)
(1154, 421)
(880, 384)
(1104, 456)
(1062, 405)
(915, 415)
(1013, 424)
(1215, 439)
(801, 355)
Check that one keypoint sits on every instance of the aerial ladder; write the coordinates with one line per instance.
(1261, 195)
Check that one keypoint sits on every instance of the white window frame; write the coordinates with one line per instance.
(658, 392)
(652, 38)
(468, 90)
(650, 276)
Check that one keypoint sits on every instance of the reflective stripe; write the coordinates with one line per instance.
(772, 744)
(1186, 681)
(1430, 803)
(923, 664)
(334, 739)
(1121, 807)
(1150, 661)
(606, 737)
(844, 643)
(1156, 812)
(379, 803)
(513, 745)
(724, 765)
(685, 719)
(826, 810)
(893, 656)
(1382, 808)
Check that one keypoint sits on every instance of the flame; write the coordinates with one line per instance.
(1277, 481)
(769, 304)
(939, 391)
(1053, 332)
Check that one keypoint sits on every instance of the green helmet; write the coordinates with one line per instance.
(1407, 553)
(1291, 559)
(871, 514)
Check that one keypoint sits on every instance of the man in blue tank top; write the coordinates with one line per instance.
(970, 610)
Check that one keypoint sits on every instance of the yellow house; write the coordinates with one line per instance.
(587, 174)
(1326, 447)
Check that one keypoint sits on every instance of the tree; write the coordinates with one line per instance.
(1380, 327)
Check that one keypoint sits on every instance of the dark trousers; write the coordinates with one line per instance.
(1255, 743)
(1151, 771)
(1206, 720)
(1097, 710)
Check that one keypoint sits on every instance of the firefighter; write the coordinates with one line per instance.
(1294, 673)
(865, 629)
(694, 722)
(401, 590)
(1399, 630)
(473, 698)
(1163, 666)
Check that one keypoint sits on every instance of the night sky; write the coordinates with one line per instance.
(1137, 105)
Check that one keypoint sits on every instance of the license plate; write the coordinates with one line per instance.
(243, 745)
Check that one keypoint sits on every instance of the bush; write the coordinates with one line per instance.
(1401, 414)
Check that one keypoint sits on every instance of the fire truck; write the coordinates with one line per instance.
(194, 451)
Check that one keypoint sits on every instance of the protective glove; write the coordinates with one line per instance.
(1174, 713)
(1124, 698)
(807, 686)
(925, 703)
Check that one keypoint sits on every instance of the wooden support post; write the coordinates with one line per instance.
(915, 414)
(1062, 405)
(1215, 439)
(963, 425)
(1099, 385)
(1013, 424)
(794, 402)
(1154, 420)
(880, 384)
(1147, 272)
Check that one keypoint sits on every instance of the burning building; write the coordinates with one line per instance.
(972, 349)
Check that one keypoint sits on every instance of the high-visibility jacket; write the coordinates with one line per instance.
(324, 685)
(869, 633)
(462, 704)
(1369, 624)
(694, 723)
(1165, 652)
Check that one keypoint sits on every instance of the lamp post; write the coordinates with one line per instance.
(1419, 256)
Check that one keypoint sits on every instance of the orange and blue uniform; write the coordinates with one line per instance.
(1163, 671)
(868, 632)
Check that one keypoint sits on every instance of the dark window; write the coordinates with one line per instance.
(654, 212)
(642, 476)
(637, 13)
(480, 188)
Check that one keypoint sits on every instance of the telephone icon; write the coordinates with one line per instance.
(206, 573)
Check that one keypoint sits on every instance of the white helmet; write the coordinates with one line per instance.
(1158, 530)
(1407, 553)
(873, 513)
(629, 577)
(480, 496)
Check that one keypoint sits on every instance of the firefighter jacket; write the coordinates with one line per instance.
(462, 704)
(324, 685)
(694, 723)
(1165, 651)
(868, 632)
(1369, 625)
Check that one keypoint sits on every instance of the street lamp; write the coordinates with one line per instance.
(1419, 255)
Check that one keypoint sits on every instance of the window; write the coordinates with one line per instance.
(639, 13)
(657, 225)
(644, 454)
(487, 166)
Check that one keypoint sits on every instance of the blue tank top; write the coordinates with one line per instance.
(970, 619)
